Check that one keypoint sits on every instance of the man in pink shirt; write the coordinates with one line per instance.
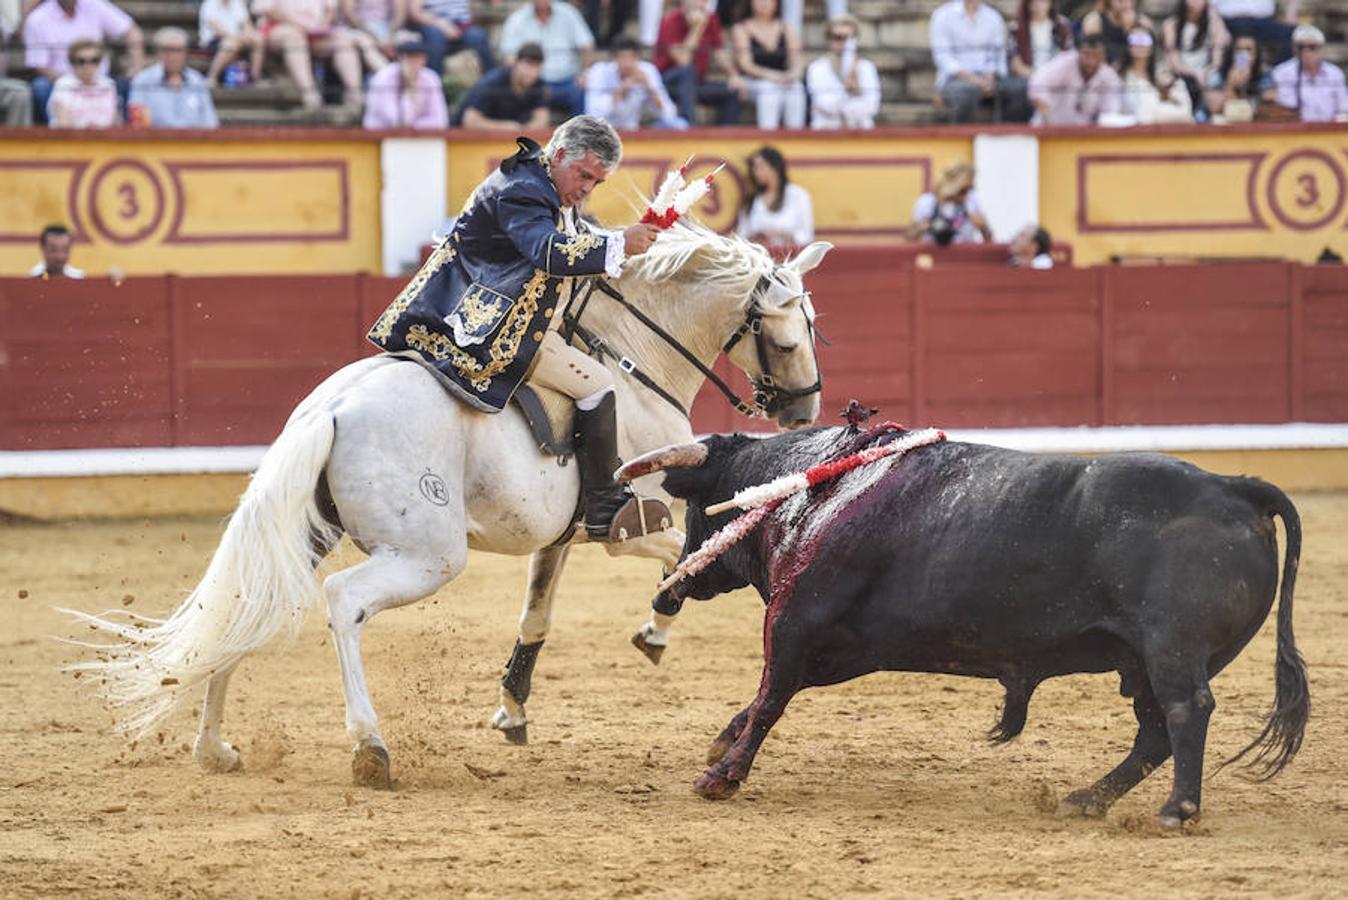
(405, 93)
(1076, 87)
(54, 25)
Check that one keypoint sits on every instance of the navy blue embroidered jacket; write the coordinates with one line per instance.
(479, 307)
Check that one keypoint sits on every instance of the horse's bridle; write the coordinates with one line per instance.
(769, 396)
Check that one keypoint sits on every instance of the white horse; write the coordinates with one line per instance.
(381, 452)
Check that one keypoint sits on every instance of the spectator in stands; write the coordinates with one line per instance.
(844, 88)
(377, 19)
(86, 98)
(1195, 41)
(1112, 21)
(1030, 248)
(777, 214)
(1259, 19)
(509, 97)
(447, 26)
(619, 12)
(768, 54)
(690, 37)
(968, 44)
(302, 29)
(1149, 97)
(54, 25)
(406, 93)
(627, 89)
(951, 212)
(1307, 83)
(1240, 83)
(226, 28)
(55, 241)
(568, 47)
(1038, 34)
(16, 99)
(1076, 87)
(170, 94)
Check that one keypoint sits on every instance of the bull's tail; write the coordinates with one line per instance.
(1281, 738)
(259, 583)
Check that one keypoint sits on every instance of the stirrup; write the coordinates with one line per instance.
(636, 518)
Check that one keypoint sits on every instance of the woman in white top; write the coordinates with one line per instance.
(226, 27)
(844, 88)
(1148, 98)
(777, 213)
(1195, 39)
(82, 98)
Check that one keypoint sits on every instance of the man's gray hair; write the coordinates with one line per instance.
(171, 34)
(586, 134)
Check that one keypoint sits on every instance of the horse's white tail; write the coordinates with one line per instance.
(259, 583)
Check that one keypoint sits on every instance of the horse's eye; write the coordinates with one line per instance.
(785, 348)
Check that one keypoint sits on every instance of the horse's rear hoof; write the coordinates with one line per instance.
(217, 759)
(653, 652)
(370, 767)
(517, 734)
(714, 787)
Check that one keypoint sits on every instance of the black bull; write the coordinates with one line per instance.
(974, 560)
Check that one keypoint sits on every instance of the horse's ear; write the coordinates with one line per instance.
(811, 257)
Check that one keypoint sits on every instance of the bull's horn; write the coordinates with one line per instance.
(674, 456)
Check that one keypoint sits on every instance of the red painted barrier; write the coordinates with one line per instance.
(164, 361)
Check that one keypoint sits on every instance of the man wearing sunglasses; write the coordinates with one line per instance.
(1308, 83)
(844, 88)
(54, 25)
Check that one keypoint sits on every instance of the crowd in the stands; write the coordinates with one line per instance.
(671, 64)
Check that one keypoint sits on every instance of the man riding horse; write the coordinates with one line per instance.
(486, 308)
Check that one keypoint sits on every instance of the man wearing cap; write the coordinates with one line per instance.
(405, 93)
(1307, 83)
(485, 309)
(508, 97)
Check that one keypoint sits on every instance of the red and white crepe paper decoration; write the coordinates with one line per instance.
(676, 196)
(762, 499)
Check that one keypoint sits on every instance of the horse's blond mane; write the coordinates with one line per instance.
(726, 260)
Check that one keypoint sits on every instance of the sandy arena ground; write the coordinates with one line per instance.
(882, 786)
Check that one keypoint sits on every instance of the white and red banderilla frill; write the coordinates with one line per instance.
(762, 499)
(676, 196)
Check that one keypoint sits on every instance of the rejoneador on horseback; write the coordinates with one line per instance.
(601, 338)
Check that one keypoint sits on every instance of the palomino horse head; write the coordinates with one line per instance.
(775, 345)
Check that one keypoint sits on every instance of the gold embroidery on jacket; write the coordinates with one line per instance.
(502, 351)
(578, 247)
(481, 308)
(383, 328)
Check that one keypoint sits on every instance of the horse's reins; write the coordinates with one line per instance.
(766, 390)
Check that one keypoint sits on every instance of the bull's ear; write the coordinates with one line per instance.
(810, 258)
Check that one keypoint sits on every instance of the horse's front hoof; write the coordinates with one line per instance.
(714, 787)
(1082, 805)
(517, 734)
(370, 766)
(653, 652)
(217, 759)
(515, 728)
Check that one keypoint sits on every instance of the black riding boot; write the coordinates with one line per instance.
(612, 511)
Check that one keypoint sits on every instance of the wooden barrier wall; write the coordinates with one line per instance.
(211, 361)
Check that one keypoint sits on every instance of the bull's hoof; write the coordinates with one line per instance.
(217, 759)
(1082, 804)
(719, 748)
(370, 766)
(517, 734)
(714, 787)
(1174, 815)
(653, 652)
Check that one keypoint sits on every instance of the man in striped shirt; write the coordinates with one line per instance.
(447, 27)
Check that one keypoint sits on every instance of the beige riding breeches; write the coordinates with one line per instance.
(567, 370)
